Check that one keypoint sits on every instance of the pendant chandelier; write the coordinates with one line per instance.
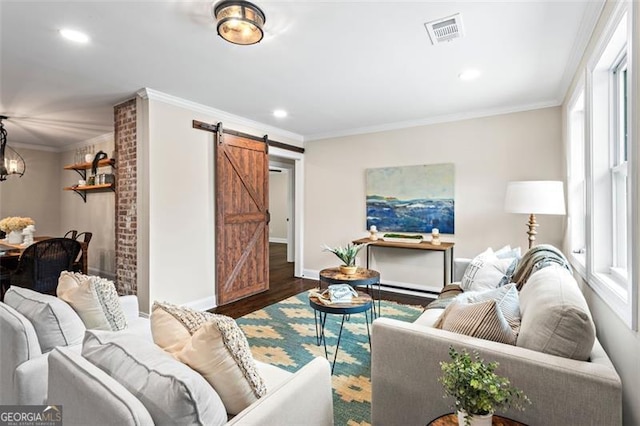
(239, 22)
(11, 163)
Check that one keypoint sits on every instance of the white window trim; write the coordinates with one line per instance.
(623, 301)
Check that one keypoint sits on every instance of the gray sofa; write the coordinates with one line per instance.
(405, 362)
(62, 376)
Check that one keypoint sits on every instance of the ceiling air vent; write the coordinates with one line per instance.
(445, 29)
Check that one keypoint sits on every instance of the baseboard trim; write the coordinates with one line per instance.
(278, 240)
(202, 304)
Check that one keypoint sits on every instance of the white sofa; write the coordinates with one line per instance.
(405, 365)
(63, 376)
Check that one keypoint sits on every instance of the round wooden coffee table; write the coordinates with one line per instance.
(363, 277)
(362, 303)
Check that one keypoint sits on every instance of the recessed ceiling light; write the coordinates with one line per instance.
(74, 35)
(280, 113)
(469, 75)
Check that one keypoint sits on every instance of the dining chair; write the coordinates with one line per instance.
(41, 263)
(85, 237)
(71, 234)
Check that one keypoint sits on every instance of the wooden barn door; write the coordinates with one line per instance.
(242, 215)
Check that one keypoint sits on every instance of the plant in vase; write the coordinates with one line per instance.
(347, 255)
(477, 390)
(13, 227)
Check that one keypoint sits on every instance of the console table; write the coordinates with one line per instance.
(445, 248)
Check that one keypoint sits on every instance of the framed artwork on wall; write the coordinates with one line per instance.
(411, 198)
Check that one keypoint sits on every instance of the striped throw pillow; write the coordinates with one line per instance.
(483, 320)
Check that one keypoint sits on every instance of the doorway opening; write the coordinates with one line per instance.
(282, 211)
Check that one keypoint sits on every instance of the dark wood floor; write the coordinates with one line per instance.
(282, 284)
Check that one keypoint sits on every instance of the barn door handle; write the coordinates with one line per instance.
(268, 217)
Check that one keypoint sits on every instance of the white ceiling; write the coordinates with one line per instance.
(337, 67)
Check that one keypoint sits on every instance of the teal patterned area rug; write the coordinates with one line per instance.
(283, 334)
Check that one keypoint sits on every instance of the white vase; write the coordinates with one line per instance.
(14, 237)
(475, 420)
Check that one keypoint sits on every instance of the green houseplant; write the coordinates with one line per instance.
(347, 255)
(477, 390)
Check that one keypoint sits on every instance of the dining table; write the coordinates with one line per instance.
(10, 253)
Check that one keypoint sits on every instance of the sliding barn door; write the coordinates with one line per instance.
(242, 216)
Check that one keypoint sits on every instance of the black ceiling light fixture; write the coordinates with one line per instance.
(11, 163)
(239, 22)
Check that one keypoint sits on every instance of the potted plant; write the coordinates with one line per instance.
(477, 390)
(347, 255)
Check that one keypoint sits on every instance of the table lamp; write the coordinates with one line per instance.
(534, 197)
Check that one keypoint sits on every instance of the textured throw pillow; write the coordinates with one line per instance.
(216, 348)
(555, 315)
(172, 326)
(487, 271)
(173, 393)
(55, 322)
(95, 300)
(506, 298)
(482, 320)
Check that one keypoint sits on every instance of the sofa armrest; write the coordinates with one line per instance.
(303, 399)
(130, 307)
(87, 392)
(405, 369)
(459, 266)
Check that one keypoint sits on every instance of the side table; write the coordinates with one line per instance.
(362, 303)
(452, 420)
(363, 277)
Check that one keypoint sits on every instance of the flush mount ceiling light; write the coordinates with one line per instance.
(469, 75)
(75, 36)
(239, 22)
(280, 113)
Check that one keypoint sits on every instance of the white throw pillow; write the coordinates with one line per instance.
(487, 271)
(216, 348)
(95, 300)
(173, 393)
(507, 252)
(55, 322)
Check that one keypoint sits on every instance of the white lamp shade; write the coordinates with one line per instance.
(537, 197)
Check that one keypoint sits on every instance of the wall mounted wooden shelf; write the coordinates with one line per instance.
(81, 169)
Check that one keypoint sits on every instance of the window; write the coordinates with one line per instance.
(602, 216)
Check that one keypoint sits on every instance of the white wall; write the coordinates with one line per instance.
(486, 153)
(176, 220)
(621, 343)
(278, 206)
(36, 194)
(97, 215)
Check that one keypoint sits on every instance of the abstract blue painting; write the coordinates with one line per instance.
(411, 198)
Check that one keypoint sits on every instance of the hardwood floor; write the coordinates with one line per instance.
(282, 284)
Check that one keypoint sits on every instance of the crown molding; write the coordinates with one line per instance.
(585, 32)
(274, 132)
(433, 120)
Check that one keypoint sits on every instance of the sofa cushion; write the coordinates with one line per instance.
(55, 322)
(95, 300)
(169, 390)
(216, 348)
(555, 316)
(487, 271)
(483, 320)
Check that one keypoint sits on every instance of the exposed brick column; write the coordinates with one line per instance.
(125, 130)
